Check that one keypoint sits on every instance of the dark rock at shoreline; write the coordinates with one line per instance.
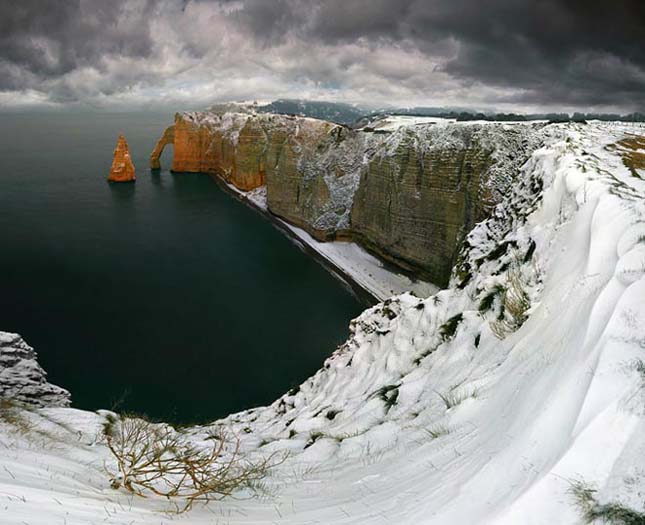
(22, 380)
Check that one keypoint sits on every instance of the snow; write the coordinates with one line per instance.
(393, 122)
(483, 430)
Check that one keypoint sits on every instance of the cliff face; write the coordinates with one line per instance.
(410, 194)
(426, 187)
(122, 169)
(310, 176)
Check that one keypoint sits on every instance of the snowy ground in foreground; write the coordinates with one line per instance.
(413, 422)
(351, 259)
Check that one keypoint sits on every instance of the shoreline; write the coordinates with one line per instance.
(368, 278)
(362, 294)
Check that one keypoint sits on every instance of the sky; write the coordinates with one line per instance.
(506, 55)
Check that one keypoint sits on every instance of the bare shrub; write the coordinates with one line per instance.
(155, 458)
(515, 305)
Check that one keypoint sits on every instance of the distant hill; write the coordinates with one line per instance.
(350, 114)
(331, 111)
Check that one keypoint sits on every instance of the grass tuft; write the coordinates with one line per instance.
(313, 437)
(389, 394)
(438, 431)
(612, 513)
(515, 305)
(455, 397)
(449, 328)
(487, 301)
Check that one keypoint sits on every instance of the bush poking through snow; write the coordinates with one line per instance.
(155, 458)
(515, 305)
(611, 513)
(456, 397)
(389, 394)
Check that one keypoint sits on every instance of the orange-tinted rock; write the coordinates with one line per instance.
(122, 169)
(167, 138)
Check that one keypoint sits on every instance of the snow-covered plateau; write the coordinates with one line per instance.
(514, 396)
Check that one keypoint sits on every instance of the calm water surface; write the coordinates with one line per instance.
(167, 297)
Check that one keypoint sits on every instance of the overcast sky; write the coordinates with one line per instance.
(525, 55)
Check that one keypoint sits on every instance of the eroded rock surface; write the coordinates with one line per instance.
(427, 186)
(168, 137)
(122, 169)
(310, 167)
(22, 380)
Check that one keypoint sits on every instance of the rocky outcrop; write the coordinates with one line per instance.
(409, 194)
(22, 380)
(122, 169)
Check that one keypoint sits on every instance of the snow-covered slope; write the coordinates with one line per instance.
(489, 402)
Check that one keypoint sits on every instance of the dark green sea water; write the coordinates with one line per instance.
(167, 296)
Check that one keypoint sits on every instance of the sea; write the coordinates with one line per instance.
(166, 297)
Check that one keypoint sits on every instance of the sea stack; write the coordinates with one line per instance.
(122, 169)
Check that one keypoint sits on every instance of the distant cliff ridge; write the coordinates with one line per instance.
(409, 193)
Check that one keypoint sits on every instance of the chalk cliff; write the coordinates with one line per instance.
(122, 169)
(409, 193)
(311, 167)
(426, 187)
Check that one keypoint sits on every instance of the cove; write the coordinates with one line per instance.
(168, 296)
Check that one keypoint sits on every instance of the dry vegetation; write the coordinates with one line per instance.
(156, 458)
(612, 513)
(10, 414)
(632, 151)
(515, 305)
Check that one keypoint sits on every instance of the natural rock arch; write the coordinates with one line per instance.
(168, 137)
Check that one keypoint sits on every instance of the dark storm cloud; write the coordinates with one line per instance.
(514, 52)
(569, 50)
(55, 36)
(44, 39)
(590, 52)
